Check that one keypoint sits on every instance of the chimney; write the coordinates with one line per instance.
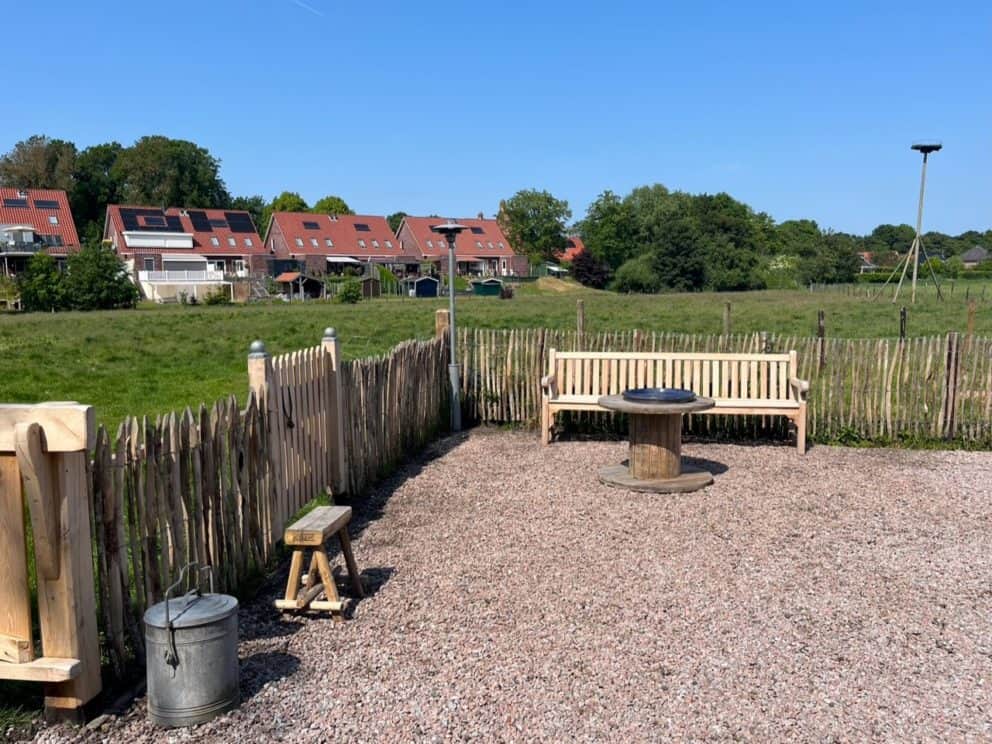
(482, 216)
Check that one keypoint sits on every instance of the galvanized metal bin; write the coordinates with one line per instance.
(192, 656)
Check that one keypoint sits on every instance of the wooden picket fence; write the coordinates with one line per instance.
(930, 388)
(217, 485)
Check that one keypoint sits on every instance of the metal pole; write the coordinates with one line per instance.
(456, 406)
(919, 227)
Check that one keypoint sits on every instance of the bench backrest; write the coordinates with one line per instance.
(712, 375)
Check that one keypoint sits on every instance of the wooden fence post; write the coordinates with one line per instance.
(821, 335)
(580, 317)
(52, 443)
(972, 309)
(260, 381)
(902, 323)
(764, 343)
(952, 377)
(442, 322)
(335, 417)
(726, 319)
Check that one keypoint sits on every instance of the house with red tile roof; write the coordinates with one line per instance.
(323, 243)
(31, 221)
(573, 247)
(193, 251)
(482, 250)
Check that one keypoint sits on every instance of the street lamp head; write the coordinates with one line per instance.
(448, 229)
(926, 146)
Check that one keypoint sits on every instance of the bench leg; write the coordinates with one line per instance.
(801, 431)
(327, 579)
(295, 570)
(349, 558)
(547, 422)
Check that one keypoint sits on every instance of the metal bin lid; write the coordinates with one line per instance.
(189, 612)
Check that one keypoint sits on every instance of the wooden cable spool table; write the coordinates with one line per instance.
(655, 463)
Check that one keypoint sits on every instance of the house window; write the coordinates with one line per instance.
(501, 246)
(490, 244)
(149, 264)
(440, 244)
(214, 240)
(232, 242)
(375, 243)
(361, 243)
(248, 243)
(299, 242)
(478, 243)
(313, 242)
(389, 244)
(328, 242)
(239, 266)
(430, 245)
(53, 220)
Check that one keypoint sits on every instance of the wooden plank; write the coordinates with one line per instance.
(702, 355)
(15, 597)
(68, 427)
(46, 669)
(36, 478)
(316, 526)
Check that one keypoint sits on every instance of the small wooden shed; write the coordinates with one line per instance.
(490, 287)
(422, 286)
(371, 287)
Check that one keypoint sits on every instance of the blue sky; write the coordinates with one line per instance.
(799, 109)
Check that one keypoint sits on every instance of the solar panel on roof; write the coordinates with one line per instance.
(361, 227)
(16, 203)
(478, 230)
(198, 218)
(157, 220)
(46, 204)
(308, 225)
(173, 224)
(215, 222)
(240, 222)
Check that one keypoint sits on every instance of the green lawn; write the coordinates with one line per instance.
(157, 359)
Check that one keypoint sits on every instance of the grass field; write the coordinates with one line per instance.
(157, 359)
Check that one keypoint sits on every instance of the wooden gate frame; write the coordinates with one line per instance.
(43, 461)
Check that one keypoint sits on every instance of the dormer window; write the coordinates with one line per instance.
(375, 244)
(430, 244)
(232, 242)
(313, 242)
(389, 244)
(299, 242)
(214, 241)
(328, 242)
(361, 244)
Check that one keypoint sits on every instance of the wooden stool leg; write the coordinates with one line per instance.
(328, 579)
(349, 558)
(295, 569)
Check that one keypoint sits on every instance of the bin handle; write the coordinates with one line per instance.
(172, 654)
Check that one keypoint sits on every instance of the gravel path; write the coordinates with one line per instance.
(845, 595)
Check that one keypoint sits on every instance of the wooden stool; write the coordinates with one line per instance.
(311, 532)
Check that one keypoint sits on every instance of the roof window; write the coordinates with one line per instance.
(248, 243)
(313, 242)
(53, 220)
(214, 240)
(430, 245)
(232, 242)
(328, 242)
(310, 225)
(299, 242)
(362, 227)
(361, 243)
(477, 231)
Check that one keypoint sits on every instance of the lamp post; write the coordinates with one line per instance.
(450, 231)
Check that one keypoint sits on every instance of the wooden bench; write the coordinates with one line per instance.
(740, 384)
(312, 531)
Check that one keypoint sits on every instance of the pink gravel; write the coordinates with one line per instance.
(841, 596)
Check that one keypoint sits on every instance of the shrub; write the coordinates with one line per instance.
(589, 270)
(350, 292)
(636, 275)
(218, 297)
(95, 279)
(42, 285)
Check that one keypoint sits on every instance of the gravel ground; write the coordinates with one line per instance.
(841, 596)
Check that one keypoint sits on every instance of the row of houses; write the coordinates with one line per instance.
(174, 250)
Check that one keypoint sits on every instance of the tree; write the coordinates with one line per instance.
(39, 163)
(159, 171)
(589, 270)
(796, 238)
(677, 259)
(331, 205)
(94, 188)
(395, 220)
(255, 206)
(287, 201)
(95, 279)
(607, 230)
(41, 285)
(534, 222)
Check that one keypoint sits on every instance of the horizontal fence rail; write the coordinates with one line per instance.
(937, 387)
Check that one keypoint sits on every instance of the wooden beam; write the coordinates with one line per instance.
(46, 669)
(68, 427)
(15, 599)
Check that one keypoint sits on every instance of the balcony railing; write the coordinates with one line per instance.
(180, 276)
(18, 247)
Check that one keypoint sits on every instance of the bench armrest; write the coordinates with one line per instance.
(801, 387)
(549, 385)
